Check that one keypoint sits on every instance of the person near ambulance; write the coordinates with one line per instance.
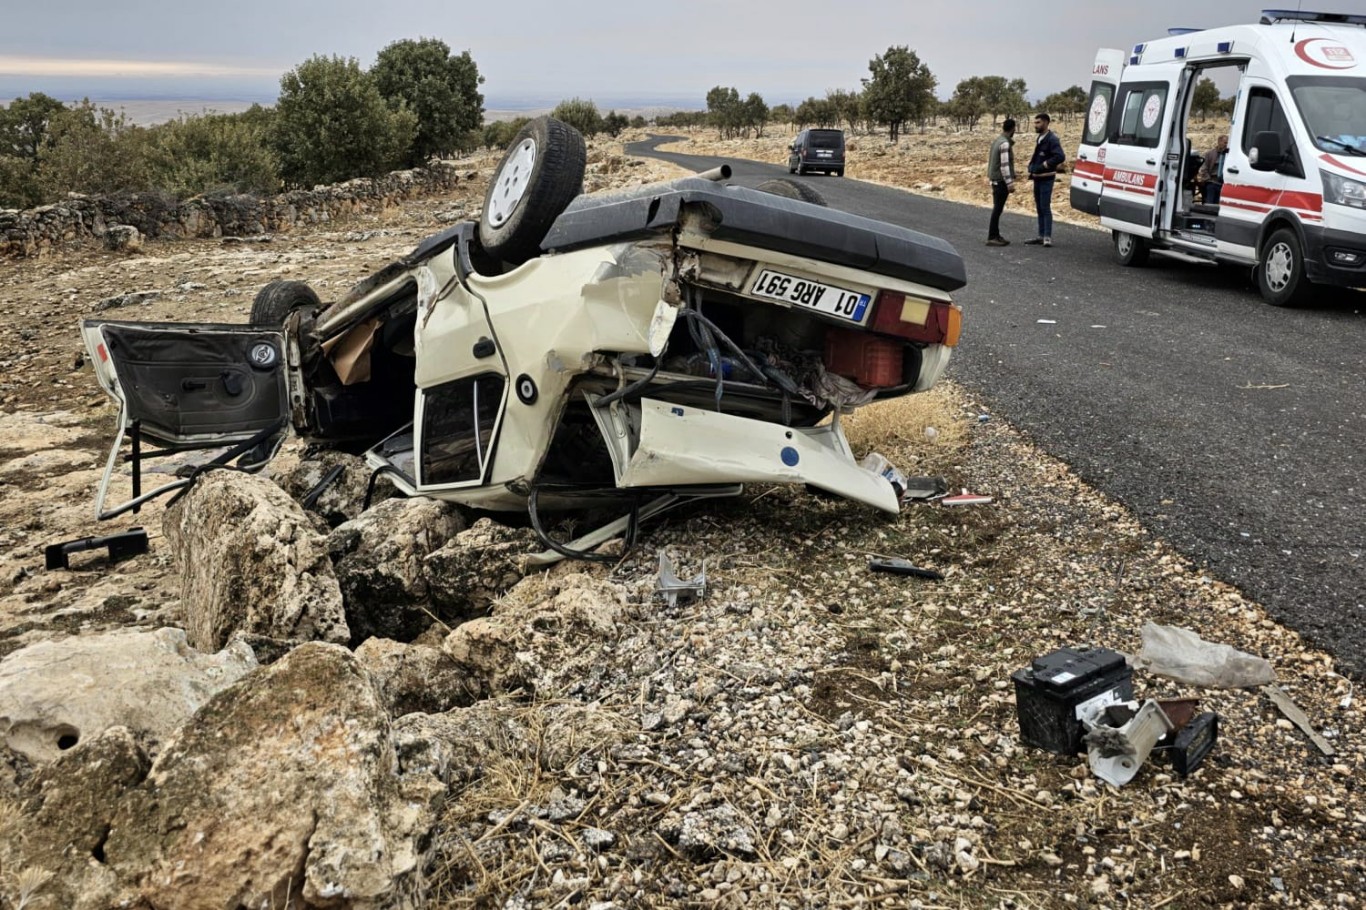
(1001, 173)
(1211, 177)
(1044, 166)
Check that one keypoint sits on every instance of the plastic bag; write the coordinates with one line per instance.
(1182, 655)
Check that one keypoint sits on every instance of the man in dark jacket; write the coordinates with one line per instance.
(1044, 166)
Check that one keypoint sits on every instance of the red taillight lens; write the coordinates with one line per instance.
(917, 319)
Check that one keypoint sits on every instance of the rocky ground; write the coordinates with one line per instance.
(808, 734)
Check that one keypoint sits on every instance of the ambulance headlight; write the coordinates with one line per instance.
(1341, 191)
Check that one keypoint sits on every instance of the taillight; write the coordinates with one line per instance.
(917, 319)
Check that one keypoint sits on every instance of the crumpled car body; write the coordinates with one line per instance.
(667, 342)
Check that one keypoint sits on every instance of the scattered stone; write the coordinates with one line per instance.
(344, 498)
(122, 238)
(415, 678)
(118, 301)
(56, 694)
(379, 559)
(478, 565)
(250, 560)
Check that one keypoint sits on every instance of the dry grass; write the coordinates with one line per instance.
(929, 427)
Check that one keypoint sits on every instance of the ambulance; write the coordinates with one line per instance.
(1293, 201)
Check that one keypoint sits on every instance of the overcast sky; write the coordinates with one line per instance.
(534, 51)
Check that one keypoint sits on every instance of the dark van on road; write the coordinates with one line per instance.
(817, 150)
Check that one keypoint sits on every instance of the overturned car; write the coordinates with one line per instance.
(649, 346)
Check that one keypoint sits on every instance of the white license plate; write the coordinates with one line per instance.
(827, 298)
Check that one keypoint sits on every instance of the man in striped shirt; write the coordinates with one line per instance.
(1001, 173)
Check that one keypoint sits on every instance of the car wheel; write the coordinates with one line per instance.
(791, 168)
(275, 301)
(839, 172)
(800, 169)
(1130, 250)
(539, 176)
(1280, 273)
(781, 186)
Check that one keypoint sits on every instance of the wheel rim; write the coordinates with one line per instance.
(512, 182)
(1280, 267)
(1125, 244)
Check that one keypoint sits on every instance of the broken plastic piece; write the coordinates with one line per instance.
(1297, 716)
(1116, 754)
(676, 589)
(965, 499)
(903, 567)
(922, 488)
(121, 546)
(879, 465)
(1193, 742)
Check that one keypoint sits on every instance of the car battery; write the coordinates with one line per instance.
(1056, 690)
(871, 361)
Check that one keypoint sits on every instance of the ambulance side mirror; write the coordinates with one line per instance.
(1266, 153)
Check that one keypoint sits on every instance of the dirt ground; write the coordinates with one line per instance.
(1268, 820)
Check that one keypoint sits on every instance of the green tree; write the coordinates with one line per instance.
(92, 150)
(968, 103)
(1067, 103)
(441, 88)
(499, 133)
(817, 112)
(580, 114)
(333, 124)
(845, 105)
(614, 123)
(24, 126)
(1206, 97)
(638, 122)
(782, 113)
(207, 152)
(1002, 97)
(754, 114)
(900, 89)
(724, 110)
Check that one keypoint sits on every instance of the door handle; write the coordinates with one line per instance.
(1083, 158)
(1151, 161)
(1232, 170)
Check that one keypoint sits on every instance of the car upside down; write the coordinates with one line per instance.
(652, 346)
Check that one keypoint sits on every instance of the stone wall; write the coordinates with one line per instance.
(80, 220)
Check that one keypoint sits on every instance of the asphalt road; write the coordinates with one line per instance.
(1235, 430)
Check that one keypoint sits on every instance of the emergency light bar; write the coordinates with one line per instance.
(1178, 32)
(1272, 16)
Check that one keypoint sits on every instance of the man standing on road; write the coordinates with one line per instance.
(1001, 173)
(1043, 170)
(1211, 175)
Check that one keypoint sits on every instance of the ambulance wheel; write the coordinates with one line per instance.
(1280, 273)
(540, 174)
(1130, 250)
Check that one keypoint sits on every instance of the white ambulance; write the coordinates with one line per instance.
(1293, 201)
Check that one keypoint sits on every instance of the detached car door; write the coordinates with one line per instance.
(192, 385)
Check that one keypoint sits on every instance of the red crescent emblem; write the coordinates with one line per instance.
(1302, 51)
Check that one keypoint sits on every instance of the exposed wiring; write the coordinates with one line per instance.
(628, 541)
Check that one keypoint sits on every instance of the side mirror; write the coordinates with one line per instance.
(1266, 153)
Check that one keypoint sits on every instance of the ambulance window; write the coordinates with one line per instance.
(457, 428)
(1098, 112)
(1141, 108)
(1264, 113)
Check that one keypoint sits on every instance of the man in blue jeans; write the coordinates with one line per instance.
(1043, 170)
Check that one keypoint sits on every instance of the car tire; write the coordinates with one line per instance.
(839, 172)
(276, 301)
(1280, 270)
(781, 186)
(1130, 250)
(791, 168)
(539, 175)
(800, 170)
